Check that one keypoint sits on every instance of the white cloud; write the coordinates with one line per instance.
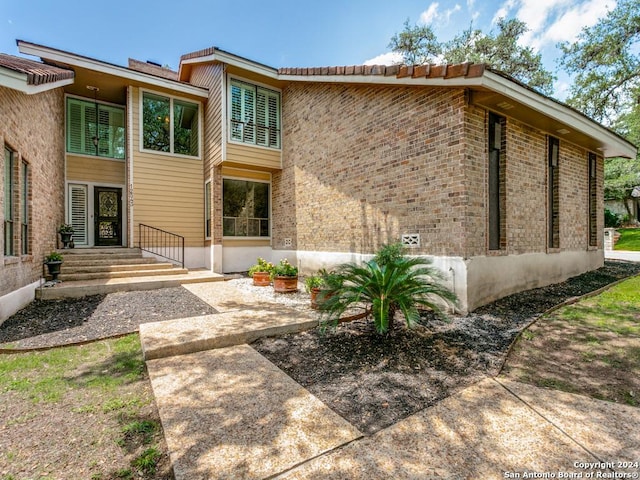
(389, 58)
(503, 11)
(568, 25)
(430, 14)
(447, 14)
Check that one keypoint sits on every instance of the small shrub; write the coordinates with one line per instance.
(261, 266)
(399, 284)
(389, 253)
(285, 269)
(312, 281)
(611, 220)
(53, 257)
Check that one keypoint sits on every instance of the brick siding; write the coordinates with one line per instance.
(33, 127)
(364, 164)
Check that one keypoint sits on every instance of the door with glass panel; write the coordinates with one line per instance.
(108, 216)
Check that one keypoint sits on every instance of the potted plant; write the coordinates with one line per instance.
(312, 285)
(285, 277)
(53, 261)
(66, 232)
(261, 273)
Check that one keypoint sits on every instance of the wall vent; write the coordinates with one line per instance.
(411, 240)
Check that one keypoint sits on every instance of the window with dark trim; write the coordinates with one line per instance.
(245, 208)
(496, 190)
(593, 200)
(9, 192)
(207, 209)
(95, 129)
(25, 211)
(553, 201)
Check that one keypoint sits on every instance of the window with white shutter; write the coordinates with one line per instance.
(254, 114)
(83, 130)
(78, 213)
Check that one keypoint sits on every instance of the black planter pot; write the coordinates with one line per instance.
(66, 238)
(54, 269)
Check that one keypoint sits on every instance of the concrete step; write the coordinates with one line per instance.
(93, 268)
(88, 257)
(99, 250)
(73, 262)
(76, 289)
(120, 274)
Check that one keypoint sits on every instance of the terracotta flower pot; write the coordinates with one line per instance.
(261, 279)
(314, 297)
(285, 284)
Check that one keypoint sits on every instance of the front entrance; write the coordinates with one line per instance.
(108, 216)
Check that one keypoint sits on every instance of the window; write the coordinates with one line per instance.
(207, 209)
(553, 183)
(245, 208)
(496, 182)
(170, 125)
(255, 114)
(24, 198)
(106, 138)
(9, 191)
(593, 201)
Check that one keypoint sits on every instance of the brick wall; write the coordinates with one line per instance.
(33, 127)
(364, 164)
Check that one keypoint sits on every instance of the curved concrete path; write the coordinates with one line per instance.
(229, 413)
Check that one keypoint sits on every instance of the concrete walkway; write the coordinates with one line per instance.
(622, 255)
(229, 413)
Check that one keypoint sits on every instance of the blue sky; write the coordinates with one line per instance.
(279, 33)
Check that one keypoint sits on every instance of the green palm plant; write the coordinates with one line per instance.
(399, 284)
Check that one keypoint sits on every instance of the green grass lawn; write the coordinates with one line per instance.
(591, 347)
(629, 239)
(91, 409)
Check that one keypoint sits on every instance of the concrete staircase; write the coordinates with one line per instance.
(106, 270)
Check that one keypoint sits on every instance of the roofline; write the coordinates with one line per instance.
(20, 81)
(498, 83)
(108, 68)
(216, 55)
(557, 110)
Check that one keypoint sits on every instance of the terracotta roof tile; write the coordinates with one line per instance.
(37, 73)
(468, 70)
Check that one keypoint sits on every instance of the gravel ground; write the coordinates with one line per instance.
(374, 381)
(45, 323)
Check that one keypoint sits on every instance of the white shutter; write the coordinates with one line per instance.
(249, 114)
(78, 213)
(261, 118)
(274, 120)
(236, 112)
(74, 126)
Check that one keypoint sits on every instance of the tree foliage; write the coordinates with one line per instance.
(419, 45)
(606, 62)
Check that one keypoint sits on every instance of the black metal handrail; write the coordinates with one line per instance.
(162, 243)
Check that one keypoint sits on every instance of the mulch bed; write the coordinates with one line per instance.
(374, 381)
(45, 323)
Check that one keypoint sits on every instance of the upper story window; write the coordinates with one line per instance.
(104, 137)
(254, 115)
(170, 125)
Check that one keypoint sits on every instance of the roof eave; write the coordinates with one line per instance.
(20, 82)
(224, 57)
(106, 68)
(615, 146)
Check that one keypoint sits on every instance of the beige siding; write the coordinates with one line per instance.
(168, 191)
(248, 174)
(247, 155)
(95, 170)
(211, 76)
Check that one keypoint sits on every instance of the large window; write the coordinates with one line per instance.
(254, 114)
(104, 138)
(553, 202)
(170, 125)
(9, 192)
(25, 212)
(245, 208)
(496, 182)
